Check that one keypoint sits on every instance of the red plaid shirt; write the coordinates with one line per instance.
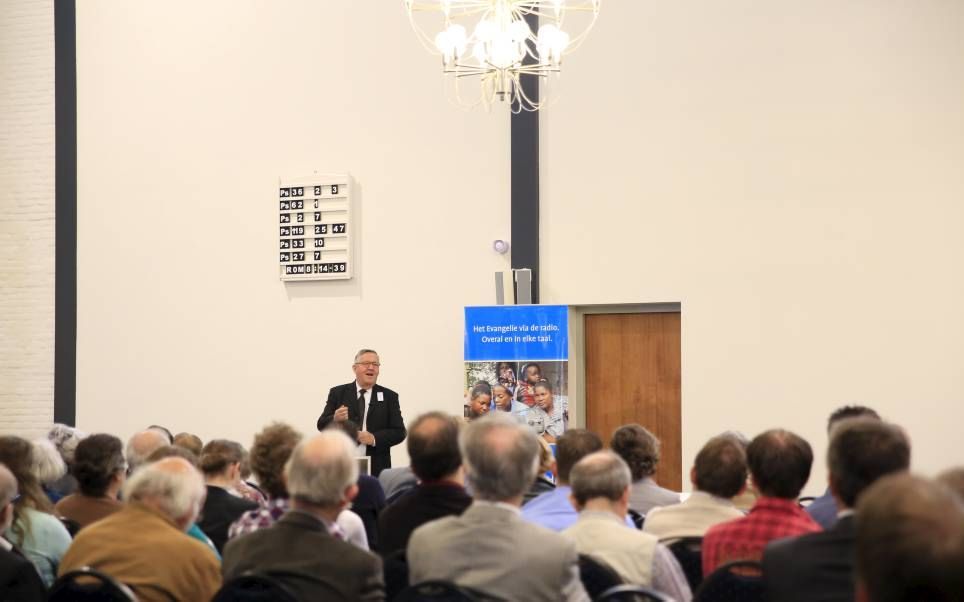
(744, 538)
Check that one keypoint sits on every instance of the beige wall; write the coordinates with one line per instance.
(26, 217)
(792, 174)
(189, 112)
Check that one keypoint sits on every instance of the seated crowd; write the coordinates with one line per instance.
(488, 506)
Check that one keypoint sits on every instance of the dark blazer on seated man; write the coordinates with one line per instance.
(18, 578)
(811, 568)
(384, 420)
(312, 563)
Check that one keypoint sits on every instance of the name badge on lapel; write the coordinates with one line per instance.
(381, 396)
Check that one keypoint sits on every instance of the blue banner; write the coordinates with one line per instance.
(516, 332)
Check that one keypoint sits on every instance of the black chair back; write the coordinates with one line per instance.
(689, 553)
(87, 585)
(597, 576)
(71, 525)
(632, 593)
(395, 571)
(740, 581)
(439, 591)
(254, 587)
(638, 518)
(805, 501)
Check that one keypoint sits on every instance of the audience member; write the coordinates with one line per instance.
(242, 487)
(220, 463)
(170, 451)
(42, 538)
(19, 580)
(554, 510)
(521, 561)
(101, 471)
(820, 566)
(718, 475)
(433, 449)
(49, 468)
(189, 442)
(744, 500)
(910, 542)
(65, 439)
(640, 449)
(370, 500)
(547, 465)
(144, 544)
(141, 445)
(824, 509)
(600, 491)
(321, 476)
(954, 479)
(396, 482)
(780, 463)
(271, 450)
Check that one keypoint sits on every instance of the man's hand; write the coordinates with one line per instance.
(366, 438)
(341, 414)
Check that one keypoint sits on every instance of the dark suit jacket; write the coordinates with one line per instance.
(298, 551)
(384, 420)
(368, 505)
(19, 581)
(818, 567)
(426, 502)
(219, 511)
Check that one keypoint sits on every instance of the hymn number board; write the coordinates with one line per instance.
(315, 229)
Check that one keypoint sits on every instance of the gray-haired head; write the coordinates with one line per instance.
(501, 457)
(322, 469)
(65, 439)
(172, 486)
(142, 445)
(48, 464)
(362, 352)
(601, 474)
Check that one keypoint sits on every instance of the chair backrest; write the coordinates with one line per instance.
(689, 553)
(805, 501)
(638, 518)
(740, 581)
(71, 525)
(88, 585)
(597, 576)
(395, 571)
(254, 587)
(632, 593)
(439, 591)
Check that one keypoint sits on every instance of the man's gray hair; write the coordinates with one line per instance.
(601, 474)
(501, 457)
(322, 468)
(142, 445)
(177, 490)
(46, 463)
(362, 352)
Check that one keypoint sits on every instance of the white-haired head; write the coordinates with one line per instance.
(170, 486)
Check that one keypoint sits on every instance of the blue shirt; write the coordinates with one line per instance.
(554, 511)
(824, 510)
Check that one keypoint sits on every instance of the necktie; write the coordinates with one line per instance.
(361, 408)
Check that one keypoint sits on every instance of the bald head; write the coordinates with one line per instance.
(322, 470)
(171, 486)
(142, 445)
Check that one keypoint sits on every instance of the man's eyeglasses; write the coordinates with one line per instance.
(368, 364)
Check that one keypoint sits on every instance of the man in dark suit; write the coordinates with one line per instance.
(433, 448)
(303, 548)
(371, 406)
(18, 577)
(820, 566)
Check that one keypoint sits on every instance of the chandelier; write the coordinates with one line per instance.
(502, 48)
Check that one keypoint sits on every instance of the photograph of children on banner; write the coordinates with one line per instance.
(536, 393)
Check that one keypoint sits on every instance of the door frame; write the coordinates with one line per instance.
(577, 346)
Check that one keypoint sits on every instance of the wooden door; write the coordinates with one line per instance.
(633, 375)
